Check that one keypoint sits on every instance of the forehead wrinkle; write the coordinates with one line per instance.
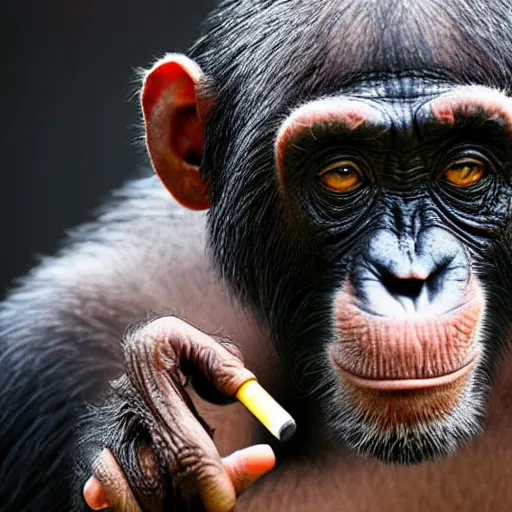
(470, 101)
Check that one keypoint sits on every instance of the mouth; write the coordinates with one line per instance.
(388, 404)
(407, 384)
(405, 353)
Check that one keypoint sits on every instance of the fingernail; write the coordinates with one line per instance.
(257, 459)
(94, 494)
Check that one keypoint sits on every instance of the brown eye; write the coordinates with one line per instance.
(342, 177)
(465, 173)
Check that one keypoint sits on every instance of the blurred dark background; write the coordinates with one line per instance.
(69, 117)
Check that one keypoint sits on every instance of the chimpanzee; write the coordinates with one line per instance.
(346, 168)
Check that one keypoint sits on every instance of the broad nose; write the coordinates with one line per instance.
(401, 277)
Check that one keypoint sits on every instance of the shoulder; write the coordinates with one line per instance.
(124, 261)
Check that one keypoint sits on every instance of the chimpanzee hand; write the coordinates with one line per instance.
(147, 447)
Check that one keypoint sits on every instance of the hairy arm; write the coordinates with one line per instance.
(59, 336)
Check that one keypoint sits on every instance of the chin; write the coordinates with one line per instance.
(406, 426)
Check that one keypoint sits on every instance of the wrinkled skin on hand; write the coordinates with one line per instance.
(178, 456)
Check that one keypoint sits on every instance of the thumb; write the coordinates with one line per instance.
(246, 466)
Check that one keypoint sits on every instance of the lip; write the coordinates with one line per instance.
(408, 384)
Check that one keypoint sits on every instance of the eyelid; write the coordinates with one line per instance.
(341, 164)
(466, 159)
(469, 161)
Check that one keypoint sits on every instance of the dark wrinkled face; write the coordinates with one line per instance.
(375, 245)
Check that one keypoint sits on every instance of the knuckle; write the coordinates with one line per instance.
(230, 376)
(167, 324)
(133, 332)
(170, 328)
(156, 341)
(192, 466)
(155, 327)
(232, 348)
(223, 368)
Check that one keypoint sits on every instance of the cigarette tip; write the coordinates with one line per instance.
(287, 431)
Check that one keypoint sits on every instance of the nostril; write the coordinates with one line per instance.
(396, 286)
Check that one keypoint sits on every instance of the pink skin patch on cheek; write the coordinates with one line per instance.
(469, 100)
(340, 111)
(400, 351)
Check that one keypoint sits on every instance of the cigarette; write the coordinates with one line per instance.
(266, 410)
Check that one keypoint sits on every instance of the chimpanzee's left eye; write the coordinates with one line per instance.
(465, 172)
(342, 177)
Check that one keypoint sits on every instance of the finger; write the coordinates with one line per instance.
(203, 385)
(109, 487)
(194, 464)
(167, 342)
(243, 467)
(154, 353)
(246, 466)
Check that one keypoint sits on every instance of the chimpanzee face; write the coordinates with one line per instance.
(376, 245)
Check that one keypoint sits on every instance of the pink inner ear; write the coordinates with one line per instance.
(187, 140)
(174, 132)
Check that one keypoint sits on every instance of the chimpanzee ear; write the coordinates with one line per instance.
(174, 129)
